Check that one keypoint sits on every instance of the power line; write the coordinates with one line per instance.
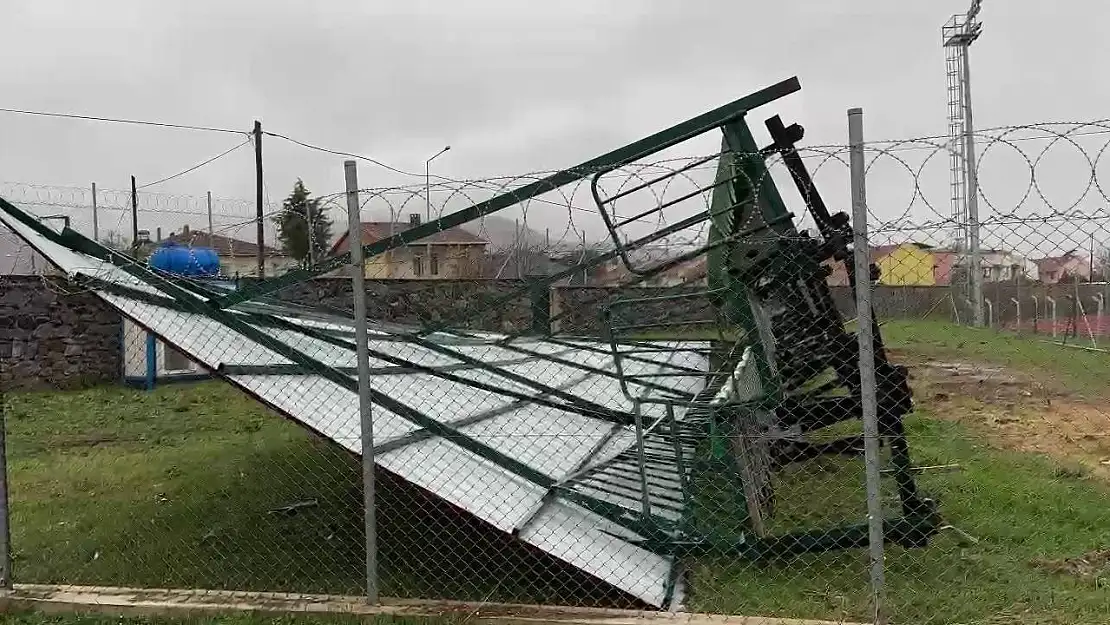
(115, 120)
(401, 171)
(340, 153)
(197, 166)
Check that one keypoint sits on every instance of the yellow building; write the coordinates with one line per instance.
(905, 264)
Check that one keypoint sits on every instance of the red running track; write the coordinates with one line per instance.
(1099, 325)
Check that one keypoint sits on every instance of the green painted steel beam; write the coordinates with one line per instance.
(911, 530)
(622, 156)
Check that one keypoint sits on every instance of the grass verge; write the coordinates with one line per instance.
(190, 486)
(199, 486)
(1024, 513)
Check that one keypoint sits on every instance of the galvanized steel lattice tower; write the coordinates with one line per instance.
(958, 34)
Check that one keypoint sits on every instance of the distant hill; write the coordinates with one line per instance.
(501, 232)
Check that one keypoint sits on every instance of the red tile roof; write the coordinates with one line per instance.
(223, 246)
(378, 230)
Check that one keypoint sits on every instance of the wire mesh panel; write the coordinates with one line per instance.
(997, 313)
(635, 382)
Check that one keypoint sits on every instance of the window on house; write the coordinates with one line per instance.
(418, 266)
(433, 264)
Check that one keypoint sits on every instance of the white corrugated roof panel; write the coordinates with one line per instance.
(544, 430)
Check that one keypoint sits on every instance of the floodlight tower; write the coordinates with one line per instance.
(958, 34)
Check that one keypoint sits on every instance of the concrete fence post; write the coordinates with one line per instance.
(868, 383)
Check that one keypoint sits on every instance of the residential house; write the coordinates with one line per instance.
(902, 264)
(1071, 265)
(236, 256)
(996, 265)
(452, 253)
(1006, 266)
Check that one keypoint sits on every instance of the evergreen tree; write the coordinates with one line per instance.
(293, 225)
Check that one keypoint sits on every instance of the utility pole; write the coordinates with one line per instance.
(211, 230)
(428, 183)
(258, 198)
(428, 198)
(311, 231)
(134, 218)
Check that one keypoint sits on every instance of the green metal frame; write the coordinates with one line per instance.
(628, 154)
(749, 227)
(752, 238)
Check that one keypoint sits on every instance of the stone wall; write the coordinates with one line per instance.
(54, 337)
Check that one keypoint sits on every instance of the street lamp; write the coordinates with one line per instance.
(428, 183)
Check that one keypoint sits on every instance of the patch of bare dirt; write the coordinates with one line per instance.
(1016, 411)
(1089, 566)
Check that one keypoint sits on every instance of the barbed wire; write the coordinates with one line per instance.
(1030, 176)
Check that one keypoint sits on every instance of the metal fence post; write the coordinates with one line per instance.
(5, 515)
(95, 219)
(1051, 301)
(868, 389)
(1036, 313)
(358, 283)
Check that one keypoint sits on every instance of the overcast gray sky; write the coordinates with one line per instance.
(512, 85)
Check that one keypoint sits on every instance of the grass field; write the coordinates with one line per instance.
(184, 487)
(199, 486)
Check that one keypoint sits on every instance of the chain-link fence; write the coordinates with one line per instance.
(639, 382)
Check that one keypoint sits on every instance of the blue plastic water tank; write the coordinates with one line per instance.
(172, 257)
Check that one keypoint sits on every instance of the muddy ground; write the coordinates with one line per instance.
(1016, 411)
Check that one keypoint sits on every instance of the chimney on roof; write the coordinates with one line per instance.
(414, 219)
